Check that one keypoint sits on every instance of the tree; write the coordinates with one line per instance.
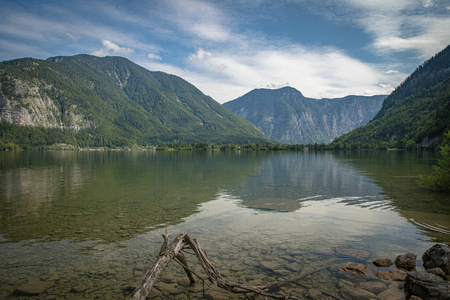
(410, 145)
(439, 179)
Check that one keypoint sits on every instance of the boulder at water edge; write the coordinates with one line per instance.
(437, 256)
(427, 286)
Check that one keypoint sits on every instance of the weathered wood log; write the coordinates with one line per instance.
(179, 256)
(168, 251)
(171, 250)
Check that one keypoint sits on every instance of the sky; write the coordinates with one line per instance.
(323, 48)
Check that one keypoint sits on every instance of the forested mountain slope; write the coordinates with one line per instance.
(416, 113)
(285, 115)
(85, 100)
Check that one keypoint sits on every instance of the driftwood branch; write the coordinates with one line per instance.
(168, 251)
(171, 250)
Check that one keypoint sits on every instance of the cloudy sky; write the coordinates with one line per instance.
(324, 48)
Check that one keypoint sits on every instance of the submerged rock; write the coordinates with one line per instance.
(394, 292)
(427, 286)
(396, 275)
(32, 288)
(296, 267)
(349, 290)
(78, 289)
(271, 265)
(314, 294)
(406, 261)
(383, 262)
(437, 256)
(354, 268)
(373, 286)
(357, 293)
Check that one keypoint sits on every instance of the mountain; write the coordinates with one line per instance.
(285, 115)
(416, 113)
(85, 100)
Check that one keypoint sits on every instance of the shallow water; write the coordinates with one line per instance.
(89, 224)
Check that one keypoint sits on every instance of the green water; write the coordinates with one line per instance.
(85, 225)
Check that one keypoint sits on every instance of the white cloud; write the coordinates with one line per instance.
(426, 44)
(277, 85)
(153, 56)
(112, 48)
(210, 31)
(403, 26)
(428, 3)
(167, 68)
(200, 55)
(199, 18)
(391, 72)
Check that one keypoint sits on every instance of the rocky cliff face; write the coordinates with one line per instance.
(285, 115)
(28, 104)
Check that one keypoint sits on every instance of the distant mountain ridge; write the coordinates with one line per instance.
(85, 100)
(416, 113)
(285, 115)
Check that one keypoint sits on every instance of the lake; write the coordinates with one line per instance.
(88, 224)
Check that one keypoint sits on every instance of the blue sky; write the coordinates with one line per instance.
(323, 48)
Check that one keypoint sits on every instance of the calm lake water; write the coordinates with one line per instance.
(88, 224)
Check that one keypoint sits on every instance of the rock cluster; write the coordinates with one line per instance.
(433, 283)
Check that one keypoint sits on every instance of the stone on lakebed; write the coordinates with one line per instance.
(354, 268)
(33, 288)
(383, 262)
